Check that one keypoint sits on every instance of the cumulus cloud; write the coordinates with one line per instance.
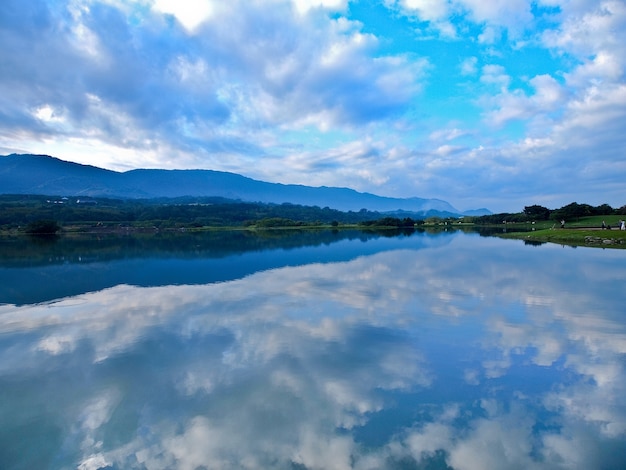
(493, 16)
(468, 66)
(190, 13)
(549, 95)
(435, 12)
(513, 15)
(571, 120)
(244, 68)
(495, 75)
(549, 106)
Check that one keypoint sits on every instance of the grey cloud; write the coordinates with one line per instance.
(307, 66)
(138, 79)
(97, 74)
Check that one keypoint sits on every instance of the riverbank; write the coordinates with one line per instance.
(592, 237)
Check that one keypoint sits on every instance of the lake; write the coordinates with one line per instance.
(311, 350)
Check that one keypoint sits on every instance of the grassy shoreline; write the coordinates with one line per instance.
(586, 231)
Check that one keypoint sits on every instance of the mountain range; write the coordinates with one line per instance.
(42, 174)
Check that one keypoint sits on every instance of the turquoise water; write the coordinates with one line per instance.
(317, 351)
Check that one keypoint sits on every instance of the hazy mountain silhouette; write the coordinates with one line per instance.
(42, 174)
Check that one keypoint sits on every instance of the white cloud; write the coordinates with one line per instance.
(499, 442)
(549, 95)
(588, 27)
(494, 15)
(428, 10)
(490, 35)
(304, 6)
(354, 161)
(436, 12)
(191, 13)
(468, 66)
(49, 114)
(605, 67)
(495, 75)
(428, 440)
(511, 14)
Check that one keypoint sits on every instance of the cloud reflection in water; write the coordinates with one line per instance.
(479, 354)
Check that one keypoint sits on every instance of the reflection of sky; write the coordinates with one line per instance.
(479, 354)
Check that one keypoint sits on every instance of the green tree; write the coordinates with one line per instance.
(42, 227)
(537, 212)
(572, 211)
(603, 209)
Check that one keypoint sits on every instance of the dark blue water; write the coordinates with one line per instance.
(345, 351)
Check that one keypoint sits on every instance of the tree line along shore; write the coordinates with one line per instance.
(46, 214)
(583, 224)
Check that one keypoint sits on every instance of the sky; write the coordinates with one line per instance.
(498, 104)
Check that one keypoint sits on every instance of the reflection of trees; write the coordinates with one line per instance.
(533, 243)
(18, 251)
(25, 251)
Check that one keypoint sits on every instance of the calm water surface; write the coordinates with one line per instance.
(311, 351)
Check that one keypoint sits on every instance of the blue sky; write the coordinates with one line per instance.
(496, 104)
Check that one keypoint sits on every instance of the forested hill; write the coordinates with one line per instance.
(45, 175)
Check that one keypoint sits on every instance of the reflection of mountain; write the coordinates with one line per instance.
(38, 174)
(65, 266)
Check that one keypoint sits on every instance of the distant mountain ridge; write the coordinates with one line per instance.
(42, 174)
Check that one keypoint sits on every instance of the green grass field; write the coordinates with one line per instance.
(585, 231)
